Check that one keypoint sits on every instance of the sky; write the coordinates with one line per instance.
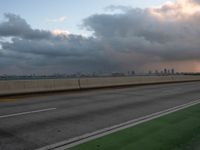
(43, 14)
(69, 36)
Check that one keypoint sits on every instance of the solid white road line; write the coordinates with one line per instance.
(26, 113)
(100, 133)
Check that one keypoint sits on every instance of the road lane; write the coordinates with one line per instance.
(85, 112)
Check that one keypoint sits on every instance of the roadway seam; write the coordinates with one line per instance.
(103, 132)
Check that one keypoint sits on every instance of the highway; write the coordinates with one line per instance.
(31, 122)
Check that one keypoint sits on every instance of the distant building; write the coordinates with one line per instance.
(172, 71)
(156, 72)
(168, 72)
(133, 72)
(165, 71)
(150, 72)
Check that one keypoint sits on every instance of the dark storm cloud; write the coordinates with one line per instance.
(16, 26)
(122, 40)
(138, 30)
(31, 49)
(73, 46)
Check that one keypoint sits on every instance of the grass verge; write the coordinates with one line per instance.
(176, 131)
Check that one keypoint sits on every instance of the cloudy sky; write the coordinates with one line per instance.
(68, 36)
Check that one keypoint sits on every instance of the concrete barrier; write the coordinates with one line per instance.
(126, 81)
(50, 85)
(33, 86)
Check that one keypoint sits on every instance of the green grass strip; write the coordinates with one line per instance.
(176, 131)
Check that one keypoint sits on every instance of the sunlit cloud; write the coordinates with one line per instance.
(57, 20)
(58, 32)
(178, 10)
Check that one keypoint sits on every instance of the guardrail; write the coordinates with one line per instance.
(50, 85)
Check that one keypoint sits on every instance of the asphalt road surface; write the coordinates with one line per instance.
(28, 123)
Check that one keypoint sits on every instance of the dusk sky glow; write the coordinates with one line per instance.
(65, 36)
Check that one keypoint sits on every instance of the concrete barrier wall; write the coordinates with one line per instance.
(121, 81)
(31, 86)
(34, 86)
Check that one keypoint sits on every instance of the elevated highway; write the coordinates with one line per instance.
(30, 122)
